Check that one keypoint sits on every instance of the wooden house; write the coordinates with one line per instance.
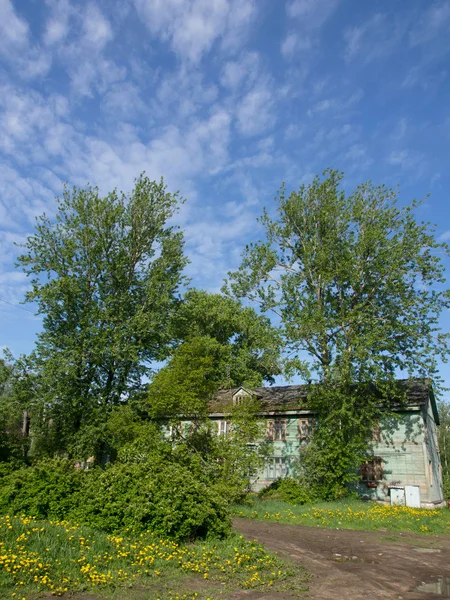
(405, 446)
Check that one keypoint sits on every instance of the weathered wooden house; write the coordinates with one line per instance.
(405, 447)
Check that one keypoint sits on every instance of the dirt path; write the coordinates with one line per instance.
(357, 565)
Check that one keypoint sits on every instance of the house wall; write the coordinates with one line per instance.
(407, 446)
(433, 457)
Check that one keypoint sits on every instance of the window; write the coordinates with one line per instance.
(304, 429)
(276, 430)
(224, 427)
(276, 467)
(372, 470)
(376, 431)
(175, 431)
(238, 399)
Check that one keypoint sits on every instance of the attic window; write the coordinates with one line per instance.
(238, 399)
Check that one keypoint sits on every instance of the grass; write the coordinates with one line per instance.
(60, 557)
(349, 514)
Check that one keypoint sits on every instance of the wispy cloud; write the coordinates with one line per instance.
(192, 27)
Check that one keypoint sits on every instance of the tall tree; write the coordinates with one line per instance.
(220, 344)
(106, 275)
(357, 284)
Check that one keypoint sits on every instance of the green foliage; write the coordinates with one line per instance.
(49, 489)
(288, 490)
(357, 284)
(251, 345)
(221, 344)
(14, 442)
(165, 498)
(184, 387)
(105, 275)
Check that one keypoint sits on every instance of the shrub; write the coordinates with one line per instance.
(49, 489)
(289, 490)
(164, 498)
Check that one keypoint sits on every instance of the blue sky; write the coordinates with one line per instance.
(225, 99)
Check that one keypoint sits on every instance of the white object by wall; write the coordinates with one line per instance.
(397, 497)
(412, 496)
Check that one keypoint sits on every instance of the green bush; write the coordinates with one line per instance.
(48, 490)
(447, 487)
(289, 490)
(164, 498)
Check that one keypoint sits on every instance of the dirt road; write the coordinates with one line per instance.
(357, 565)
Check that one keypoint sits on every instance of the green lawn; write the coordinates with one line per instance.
(42, 556)
(349, 514)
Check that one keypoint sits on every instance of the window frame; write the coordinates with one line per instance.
(223, 427)
(276, 467)
(302, 435)
(372, 470)
(276, 430)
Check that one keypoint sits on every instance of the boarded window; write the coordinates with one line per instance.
(372, 470)
(276, 467)
(276, 430)
(376, 431)
(304, 429)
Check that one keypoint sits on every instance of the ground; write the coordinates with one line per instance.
(356, 565)
(359, 565)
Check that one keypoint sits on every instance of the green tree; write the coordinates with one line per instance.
(221, 344)
(357, 285)
(105, 274)
(14, 415)
(252, 344)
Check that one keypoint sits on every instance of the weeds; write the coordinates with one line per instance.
(350, 514)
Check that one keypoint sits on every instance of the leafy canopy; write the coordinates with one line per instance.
(356, 283)
(105, 274)
(355, 280)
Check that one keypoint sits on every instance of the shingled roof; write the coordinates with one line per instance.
(294, 397)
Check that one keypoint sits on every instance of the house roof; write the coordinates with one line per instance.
(294, 397)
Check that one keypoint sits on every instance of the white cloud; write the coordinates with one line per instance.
(312, 13)
(96, 28)
(193, 26)
(27, 60)
(408, 160)
(306, 18)
(431, 23)
(294, 43)
(13, 29)
(241, 73)
(445, 236)
(255, 111)
(377, 38)
(338, 106)
(57, 27)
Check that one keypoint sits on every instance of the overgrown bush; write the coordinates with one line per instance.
(164, 498)
(289, 490)
(48, 490)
